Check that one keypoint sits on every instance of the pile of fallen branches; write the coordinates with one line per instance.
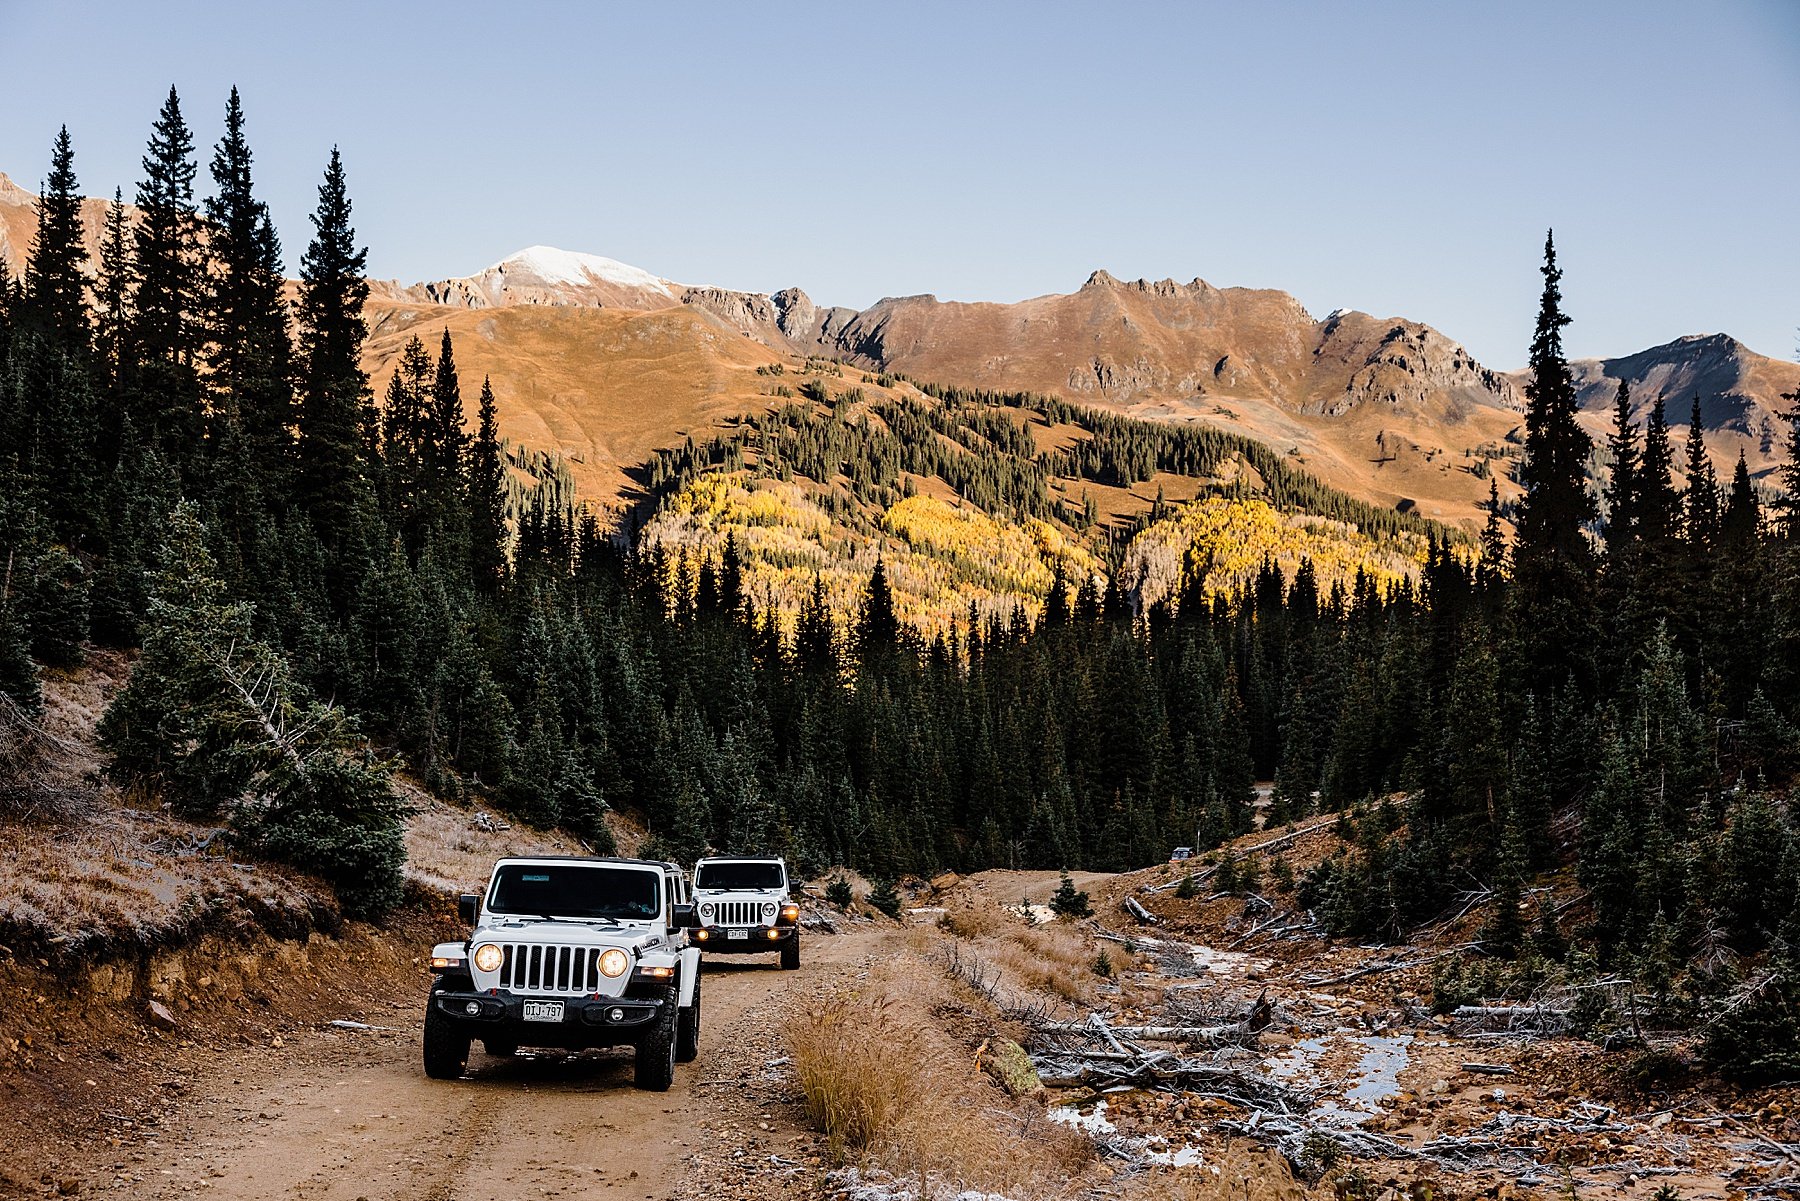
(985, 979)
(39, 772)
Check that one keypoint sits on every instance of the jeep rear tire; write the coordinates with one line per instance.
(790, 953)
(446, 1047)
(655, 1065)
(687, 1029)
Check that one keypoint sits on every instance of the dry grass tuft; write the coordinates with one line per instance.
(863, 1069)
(894, 1091)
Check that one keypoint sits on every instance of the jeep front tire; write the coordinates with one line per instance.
(687, 1029)
(790, 953)
(446, 1047)
(655, 1066)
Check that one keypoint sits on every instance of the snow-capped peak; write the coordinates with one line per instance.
(549, 265)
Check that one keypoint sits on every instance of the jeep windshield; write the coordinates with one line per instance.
(740, 877)
(574, 890)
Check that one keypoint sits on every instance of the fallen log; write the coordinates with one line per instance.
(1237, 1034)
(1144, 916)
(1074, 1070)
(1488, 1069)
(1510, 1019)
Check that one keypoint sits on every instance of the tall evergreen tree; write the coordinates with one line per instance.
(55, 280)
(334, 398)
(487, 496)
(168, 330)
(250, 359)
(113, 290)
(1552, 558)
(1702, 501)
(1622, 487)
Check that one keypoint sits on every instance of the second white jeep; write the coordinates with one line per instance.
(743, 907)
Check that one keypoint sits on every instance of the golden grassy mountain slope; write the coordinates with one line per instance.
(602, 387)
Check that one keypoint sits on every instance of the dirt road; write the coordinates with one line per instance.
(337, 1115)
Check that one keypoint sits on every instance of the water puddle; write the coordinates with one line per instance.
(1375, 1078)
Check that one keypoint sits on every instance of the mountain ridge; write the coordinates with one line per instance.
(1389, 408)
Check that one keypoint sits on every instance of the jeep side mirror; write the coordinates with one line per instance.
(467, 907)
(684, 917)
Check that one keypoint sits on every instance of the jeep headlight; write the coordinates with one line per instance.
(614, 963)
(707, 910)
(768, 911)
(489, 957)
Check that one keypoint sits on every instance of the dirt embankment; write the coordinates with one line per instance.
(308, 1083)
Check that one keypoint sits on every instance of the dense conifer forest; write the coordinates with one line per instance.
(326, 590)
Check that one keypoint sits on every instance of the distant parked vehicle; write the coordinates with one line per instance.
(1181, 853)
(743, 907)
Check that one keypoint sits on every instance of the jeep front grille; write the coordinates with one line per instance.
(737, 913)
(530, 967)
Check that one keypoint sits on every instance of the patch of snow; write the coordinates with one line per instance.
(1092, 1122)
(553, 266)
(1155, 1149)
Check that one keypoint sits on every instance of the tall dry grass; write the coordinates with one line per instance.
(893, 1091)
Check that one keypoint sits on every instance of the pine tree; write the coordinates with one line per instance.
(1622, 487)
(213, 721)
(447, 443)
(250, 355)
(334, 399)
(878, 627)
(168, 330)
(1742, 521)
(113, 290)
(487, 497)
(1701, 504)
(55, 281)
(1493, 542)
(18, 674)
(1552, 559)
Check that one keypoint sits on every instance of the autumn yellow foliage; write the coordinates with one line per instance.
(1230, 538)
(940, 558)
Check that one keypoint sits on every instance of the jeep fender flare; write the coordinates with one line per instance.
(684, 978)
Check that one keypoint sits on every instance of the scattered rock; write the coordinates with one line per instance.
(1007, 1062)
(159, 1015)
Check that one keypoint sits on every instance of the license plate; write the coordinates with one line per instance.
(543, 1011)
(737, 933)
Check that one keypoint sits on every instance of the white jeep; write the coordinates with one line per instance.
(743, 908)
(570, 953)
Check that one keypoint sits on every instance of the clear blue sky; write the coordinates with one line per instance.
(1398, 158)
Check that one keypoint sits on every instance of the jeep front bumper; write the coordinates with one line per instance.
(585, 1021)
(753, 940)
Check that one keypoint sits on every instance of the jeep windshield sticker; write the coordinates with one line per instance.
(576, 891)
(734, 877)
